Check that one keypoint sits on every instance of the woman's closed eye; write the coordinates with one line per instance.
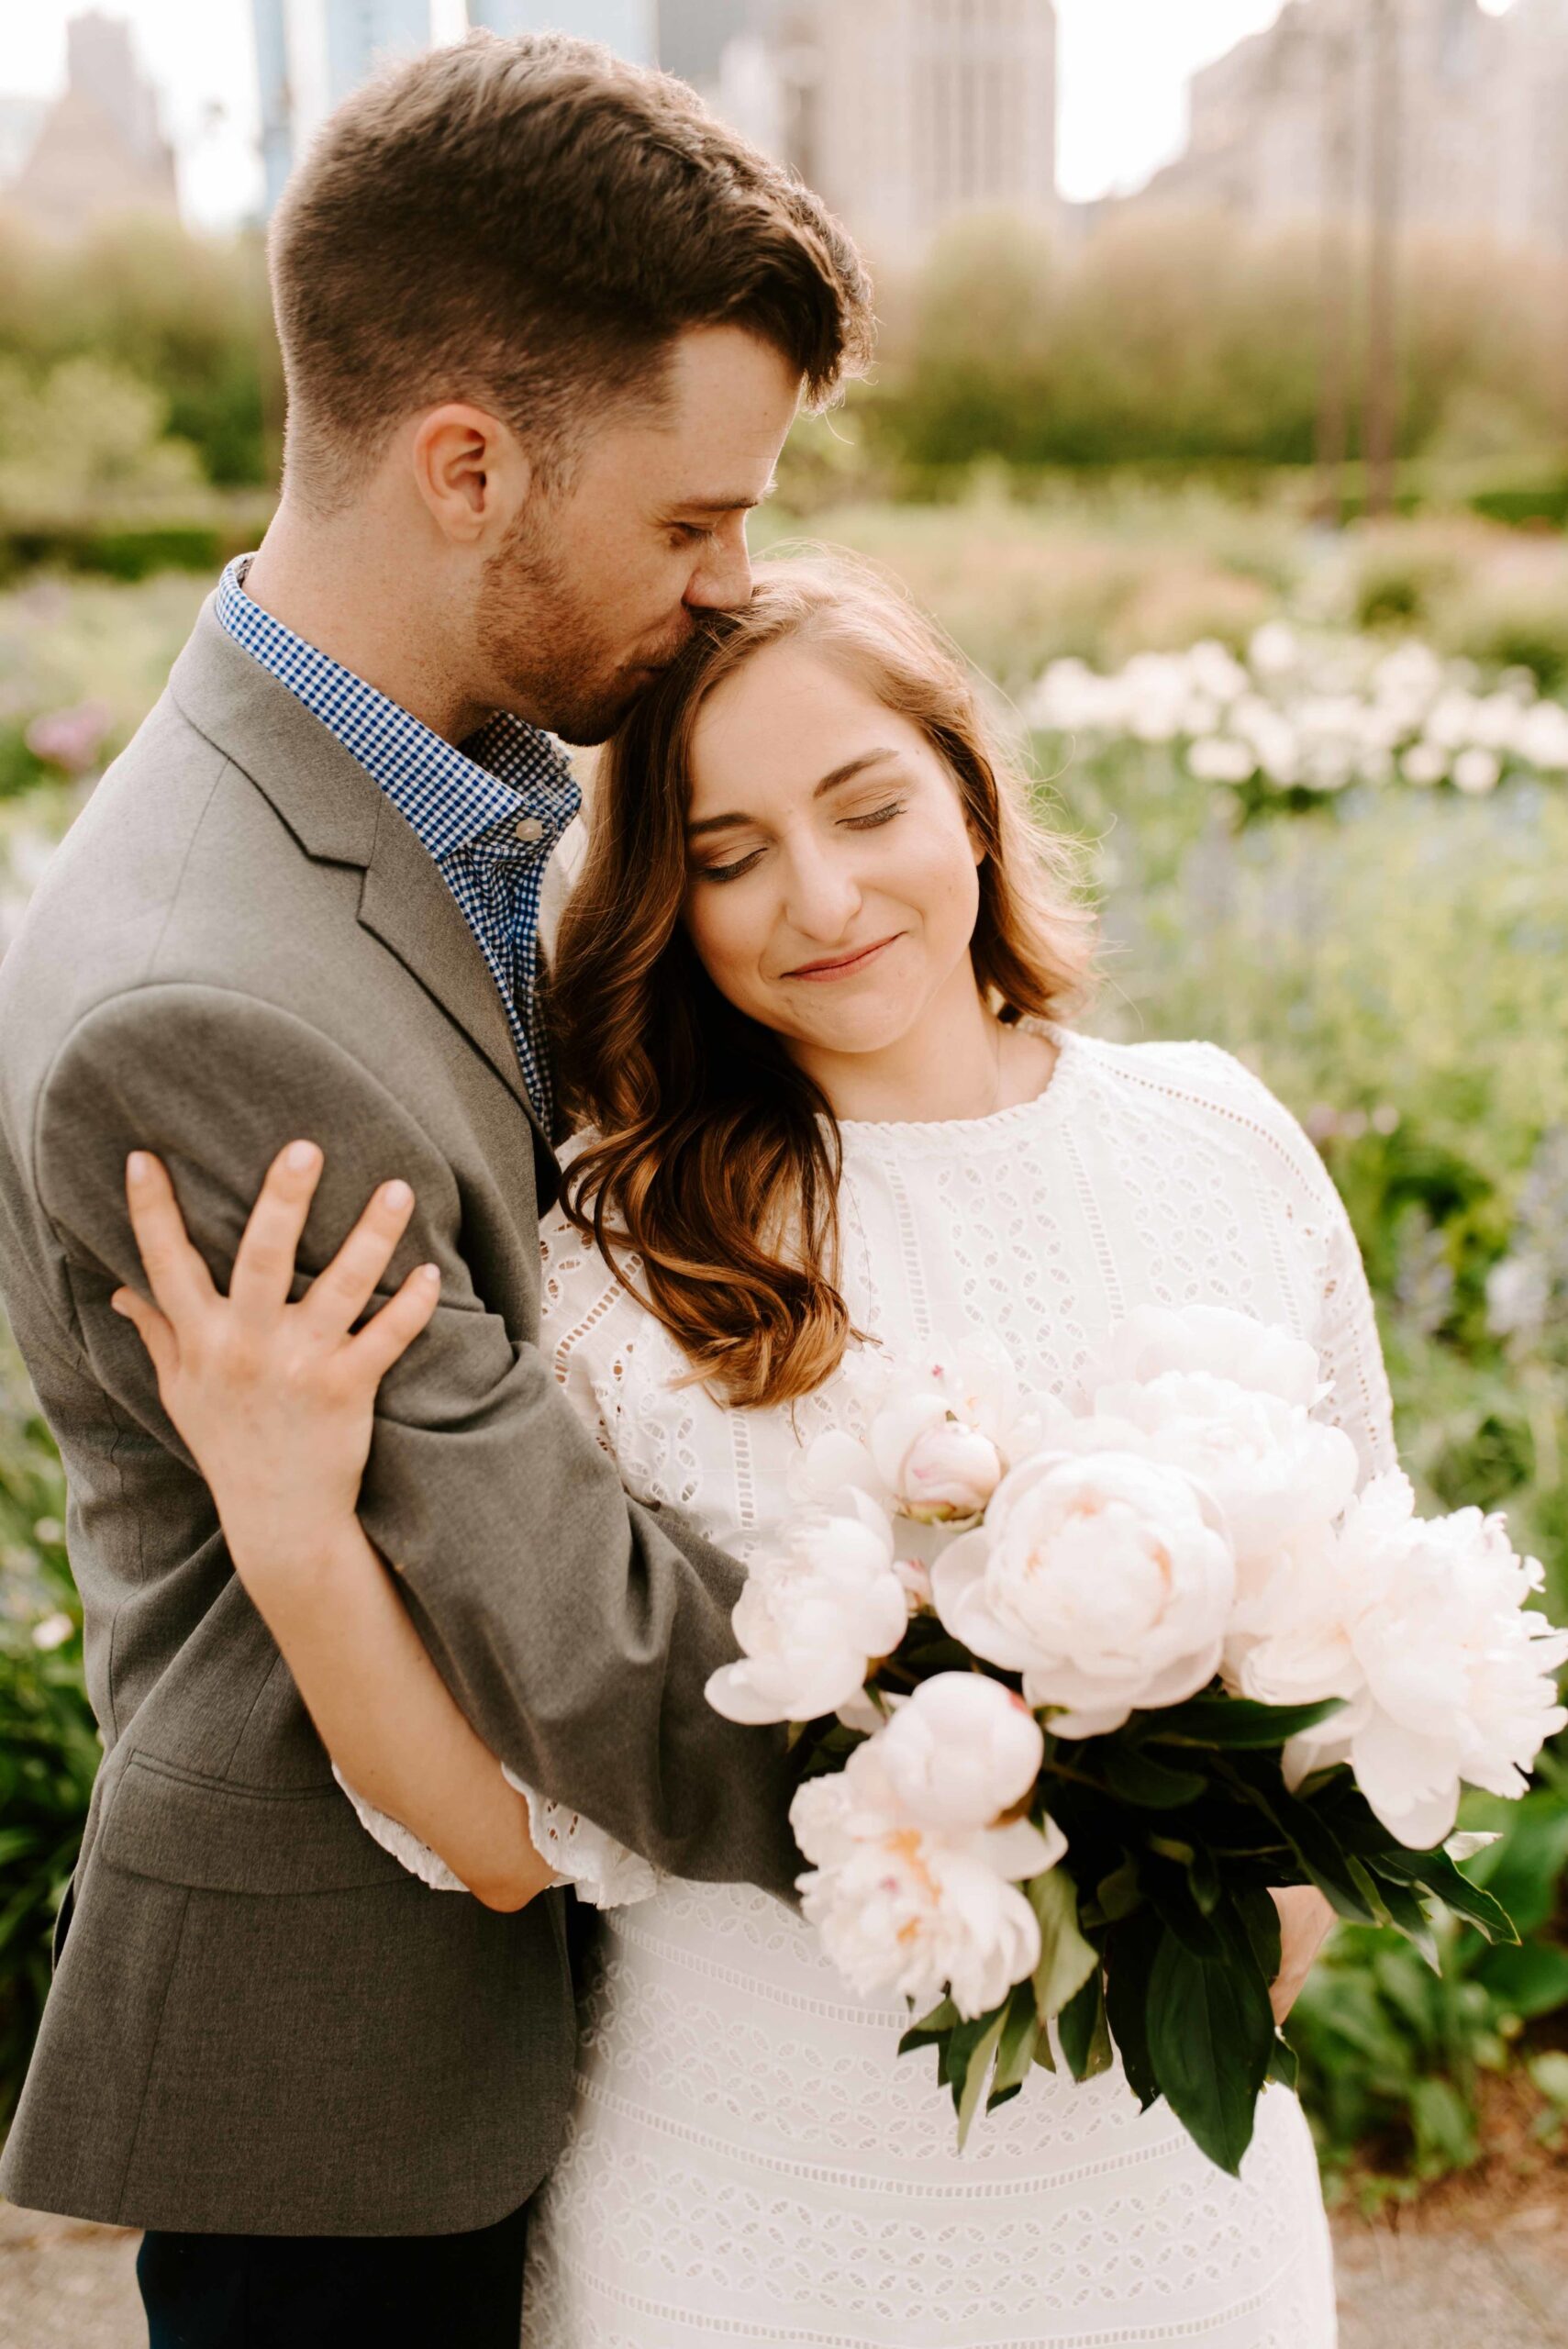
(877, 816)
(871, 820)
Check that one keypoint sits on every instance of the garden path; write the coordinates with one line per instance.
(67, 2286)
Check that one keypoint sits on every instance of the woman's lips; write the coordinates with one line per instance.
(841, 966)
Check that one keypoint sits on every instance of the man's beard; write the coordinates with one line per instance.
(540, 635)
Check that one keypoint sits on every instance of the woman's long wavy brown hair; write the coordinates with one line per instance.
(711, 1181)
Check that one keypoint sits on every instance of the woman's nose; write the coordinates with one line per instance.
(823, 894)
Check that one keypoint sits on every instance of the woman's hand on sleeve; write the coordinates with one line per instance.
(274, 1400)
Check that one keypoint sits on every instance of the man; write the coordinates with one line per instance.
(545, 325)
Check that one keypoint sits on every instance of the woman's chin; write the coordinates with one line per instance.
(849, 1038)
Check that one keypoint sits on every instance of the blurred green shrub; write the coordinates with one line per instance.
(1173, 337)
(1392, 2053)
(189, 318)
(86, 433)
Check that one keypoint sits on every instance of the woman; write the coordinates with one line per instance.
(810, 994)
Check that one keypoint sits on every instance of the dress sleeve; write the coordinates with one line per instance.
(1345, 1329)
(1349, 1345)
(578, 1291)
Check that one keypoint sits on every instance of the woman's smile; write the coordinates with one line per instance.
(842, 966)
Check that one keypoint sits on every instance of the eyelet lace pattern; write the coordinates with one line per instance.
(750, 2164)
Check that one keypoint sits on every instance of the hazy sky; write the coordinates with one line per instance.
(1124, 66)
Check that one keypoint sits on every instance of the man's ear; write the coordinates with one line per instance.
(469, 470)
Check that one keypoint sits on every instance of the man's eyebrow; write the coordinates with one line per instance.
(738, 505)
(846, 773)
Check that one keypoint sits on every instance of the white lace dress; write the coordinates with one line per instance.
(750, 2162)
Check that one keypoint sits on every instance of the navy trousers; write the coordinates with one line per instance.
(331, 2291)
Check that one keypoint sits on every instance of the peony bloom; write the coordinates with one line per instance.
(1102, 1579)
(908, 1909)
(1270, 1469)
(909, 1917)
(939, 1437)
(961, 1752)
(1423, 1627)
(813, 1617)
(1259, 1355)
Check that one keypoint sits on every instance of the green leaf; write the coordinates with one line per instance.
(1136, 1777)
(1084, 2033)
(930, 2028)
(1238, 1721)
(956, 2051)
(1437, 1874)
(1117, 1895)
(968, 2103)
(1283, 2066)
(1203, 1876)
(1370, 1889)
(1210, 2036)
(1259, 1920)
(1129, 1956)
(1172, 1895)
(1021, 2028)
(1066, 1959)
(1317, 1847)
(1407, 1912)
(1521, 1869)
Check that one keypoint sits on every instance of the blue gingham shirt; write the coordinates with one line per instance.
(490, 813)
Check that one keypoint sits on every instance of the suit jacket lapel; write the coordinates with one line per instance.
(340, 816)
(406, 903)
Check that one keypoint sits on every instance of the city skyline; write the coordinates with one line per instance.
(1113, 133)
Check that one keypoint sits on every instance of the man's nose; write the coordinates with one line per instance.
(722, 580)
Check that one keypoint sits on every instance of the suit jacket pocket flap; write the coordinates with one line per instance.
(217, 1837)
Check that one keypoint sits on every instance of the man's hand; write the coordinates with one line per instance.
(1305, 1918)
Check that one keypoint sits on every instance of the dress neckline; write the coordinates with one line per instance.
(1047, 1102)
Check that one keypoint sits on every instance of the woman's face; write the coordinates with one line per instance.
(832, 888)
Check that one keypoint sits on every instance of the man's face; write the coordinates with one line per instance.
(594, 589)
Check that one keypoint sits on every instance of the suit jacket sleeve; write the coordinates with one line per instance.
(576, 1629)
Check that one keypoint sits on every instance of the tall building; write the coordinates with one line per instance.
(1282, 125)
(902, 113)
(269, 21)
(628, 26)
(100, 150)
(310, 54)
(1533, 110)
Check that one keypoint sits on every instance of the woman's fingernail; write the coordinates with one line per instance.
(397, 1195)
(430, 1275)
(300, 1157)
(135, 1166)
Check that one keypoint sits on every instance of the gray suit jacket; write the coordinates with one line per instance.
(259, 2024)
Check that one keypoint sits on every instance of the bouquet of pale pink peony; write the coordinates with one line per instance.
(1072, 1689)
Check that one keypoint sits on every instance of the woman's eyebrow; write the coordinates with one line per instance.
(846, 773)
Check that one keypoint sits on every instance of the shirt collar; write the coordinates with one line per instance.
(453, 797)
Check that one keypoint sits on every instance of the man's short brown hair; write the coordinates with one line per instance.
(529, 224)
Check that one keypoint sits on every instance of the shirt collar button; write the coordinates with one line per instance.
(527, 827)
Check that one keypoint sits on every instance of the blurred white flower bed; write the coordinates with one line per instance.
(1313, 713)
